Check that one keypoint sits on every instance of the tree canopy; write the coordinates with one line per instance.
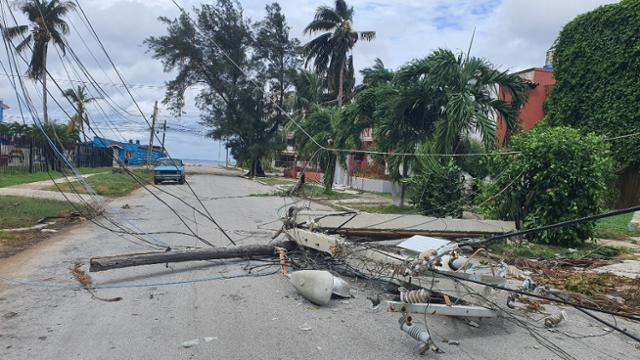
(597, 62)
(222, 51)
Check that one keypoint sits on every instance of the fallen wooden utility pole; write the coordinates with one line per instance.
(102, 263)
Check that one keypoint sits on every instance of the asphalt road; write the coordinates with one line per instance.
(241, 318)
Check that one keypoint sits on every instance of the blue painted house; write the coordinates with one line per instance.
(129, 153)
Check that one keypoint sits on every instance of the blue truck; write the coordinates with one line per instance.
(167, 169)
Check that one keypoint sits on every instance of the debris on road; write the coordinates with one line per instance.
(555, 320)
(191, 343)
(83, 278)
(314, 285)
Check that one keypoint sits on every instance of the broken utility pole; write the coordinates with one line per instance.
(102, 263)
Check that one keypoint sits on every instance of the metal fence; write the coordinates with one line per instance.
(29, 155)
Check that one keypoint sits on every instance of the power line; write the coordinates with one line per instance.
(146, 120)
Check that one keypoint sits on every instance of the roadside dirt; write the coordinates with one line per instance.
(17, 242)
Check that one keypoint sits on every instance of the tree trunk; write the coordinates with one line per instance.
(403, 187)
(256, 168)
(45, 113)
(329, 172)
(84, 136)
(341, 84)
(628, 186)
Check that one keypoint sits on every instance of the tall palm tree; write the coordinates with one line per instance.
(330, 50)
(47, 25)
(80, 99)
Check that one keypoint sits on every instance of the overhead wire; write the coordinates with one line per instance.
(97, 38)
(52, 145)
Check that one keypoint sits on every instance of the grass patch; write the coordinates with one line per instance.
(388, 209)
(615, 228)
(275, 181)
(25, 177)
(18, 211)
(108, 184)
(544, 252)
(318, 192)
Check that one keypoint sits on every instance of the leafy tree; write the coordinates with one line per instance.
(320, 124)
(47, 25)
(560, 174)
(278, 55)
(376, 75)
(216, 50)
(80, 99)
(330, 51)
(596, 65)
(309, 91)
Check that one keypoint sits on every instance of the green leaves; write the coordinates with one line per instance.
(436, 187)
(597, 63)
(560, 174)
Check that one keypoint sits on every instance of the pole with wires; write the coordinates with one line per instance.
(164, 133)
(153, 130)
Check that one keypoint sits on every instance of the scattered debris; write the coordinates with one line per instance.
(83, 278)
(125, 206)
(555, 320)
(191, 343)
(341, 288)
(10, 314)
(473, 324)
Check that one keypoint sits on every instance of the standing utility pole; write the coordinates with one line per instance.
(164, 133)
(226, 145)
(153, 129)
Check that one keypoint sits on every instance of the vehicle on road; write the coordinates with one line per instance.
(168, 170)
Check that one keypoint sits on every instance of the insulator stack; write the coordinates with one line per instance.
(415, 296)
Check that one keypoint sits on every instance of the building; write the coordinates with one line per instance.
(3, 107)
(541, 82)
(129, 153)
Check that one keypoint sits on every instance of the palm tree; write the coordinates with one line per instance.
(330, 50)
(459, 92)
(47, 25)
(80, 99)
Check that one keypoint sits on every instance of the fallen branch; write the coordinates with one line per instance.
(102, 263)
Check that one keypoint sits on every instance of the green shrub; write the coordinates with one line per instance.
(560, 174)
(436, 187)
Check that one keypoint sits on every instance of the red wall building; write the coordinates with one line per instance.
(541, 83)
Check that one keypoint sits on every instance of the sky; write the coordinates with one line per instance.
(511, 34)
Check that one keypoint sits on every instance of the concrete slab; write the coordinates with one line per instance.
(406, 225)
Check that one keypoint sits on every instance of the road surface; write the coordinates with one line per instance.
(242, 318)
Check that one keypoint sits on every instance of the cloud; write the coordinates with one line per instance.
(512, 34)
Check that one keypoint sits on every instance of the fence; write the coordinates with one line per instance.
(19, 155)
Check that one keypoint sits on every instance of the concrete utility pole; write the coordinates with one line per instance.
(153, 130)
(226, 145)
(164, 132)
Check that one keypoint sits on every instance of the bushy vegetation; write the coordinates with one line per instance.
(436, 187)
(596, 66)
(559, 174)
